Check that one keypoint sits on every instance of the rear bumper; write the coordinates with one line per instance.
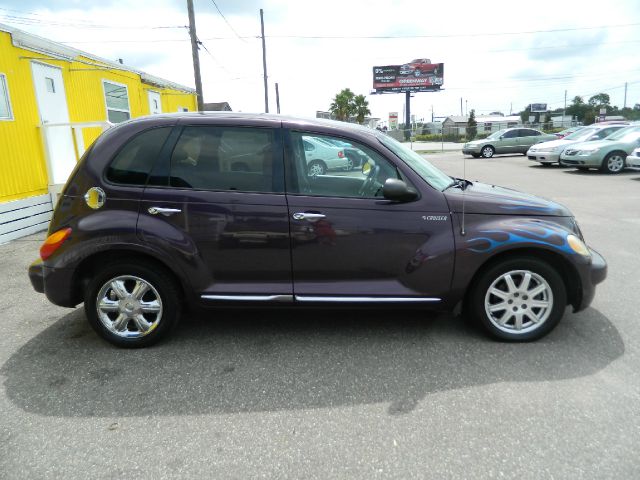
(595, 274)
(55, 283)
(36, 275)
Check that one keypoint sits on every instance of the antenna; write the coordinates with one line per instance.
(464, 188)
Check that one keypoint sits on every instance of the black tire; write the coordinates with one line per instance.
(487, 151)
(155, 275)
(318, 166)
(478, 295)
(609, 165)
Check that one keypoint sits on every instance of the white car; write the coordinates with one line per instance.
(549, 152)
(633, 160)
(321, 156)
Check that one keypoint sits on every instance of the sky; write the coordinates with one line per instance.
(498, 55)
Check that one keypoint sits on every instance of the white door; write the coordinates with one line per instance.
(52, 105)
(154, 102)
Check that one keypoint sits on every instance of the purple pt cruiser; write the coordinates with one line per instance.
(203, 210)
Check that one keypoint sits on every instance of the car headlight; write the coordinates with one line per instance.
(584, 153)
(578, 245)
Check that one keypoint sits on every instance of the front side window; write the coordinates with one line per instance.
(326, 166)
(117, 99)
(511, 134)
(5, 104)
(226, 159)
(131, 166)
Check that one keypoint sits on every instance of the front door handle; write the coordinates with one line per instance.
(164, 211)
(312, 217)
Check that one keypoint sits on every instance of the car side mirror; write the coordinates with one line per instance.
(398, 191)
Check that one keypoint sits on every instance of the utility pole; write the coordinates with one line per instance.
(625, 95)
(194, 53)
(277, 98)
(466, 107)
(431, 113)
(264, 64)
(461, 113)
(564, 111)
(407, 118)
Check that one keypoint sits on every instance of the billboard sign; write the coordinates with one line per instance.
(419, 75)
(393, 120)
(538, 107)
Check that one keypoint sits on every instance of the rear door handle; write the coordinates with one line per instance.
(308, 216)
(164, 211)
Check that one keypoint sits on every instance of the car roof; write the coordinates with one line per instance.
(267, 118)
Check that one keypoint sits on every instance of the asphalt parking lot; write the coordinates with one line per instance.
(337, 394)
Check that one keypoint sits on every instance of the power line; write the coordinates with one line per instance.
(21, 20)
(227, 21)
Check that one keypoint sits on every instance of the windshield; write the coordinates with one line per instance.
(581, 134)
(496, 135)
(625, 134)
(417, 163)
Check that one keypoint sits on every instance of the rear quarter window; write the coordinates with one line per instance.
(132, 164)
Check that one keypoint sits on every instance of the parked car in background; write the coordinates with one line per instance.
(355, 156)
(509, 140)
(633, 160)
(549, 152)
(567, 131)
(150, 221)
(609, 155)
(323, 156)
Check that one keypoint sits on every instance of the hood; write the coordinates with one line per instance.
(488, 199)
(552, 144)
(595, 144)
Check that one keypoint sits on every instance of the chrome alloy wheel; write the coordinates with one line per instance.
(129, 306)
(518, 301)
(615, 163)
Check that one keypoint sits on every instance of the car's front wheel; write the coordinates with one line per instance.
(521, 299)
(613, 163)
(488, 151)
(132, 303)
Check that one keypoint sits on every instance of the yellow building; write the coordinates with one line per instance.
(54, 102)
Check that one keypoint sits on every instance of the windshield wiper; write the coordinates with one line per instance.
(460, 183)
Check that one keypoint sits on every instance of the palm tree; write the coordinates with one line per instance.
(361, 108)
(342, 105)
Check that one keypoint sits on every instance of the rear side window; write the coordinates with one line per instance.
(240, 159)
(131, 166)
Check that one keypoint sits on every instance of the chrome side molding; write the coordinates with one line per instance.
(249, 298)
(305, 298)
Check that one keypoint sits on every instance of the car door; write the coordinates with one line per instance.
(218, 201)
(526, 138)
(351, 244)
(507, 143)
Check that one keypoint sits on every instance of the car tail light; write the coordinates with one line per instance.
(340, 154)
(53, 242)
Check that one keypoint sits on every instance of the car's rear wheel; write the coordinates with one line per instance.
(350, 165)
(132, 304)
(520, 299)
(613, 163)
(488, 151)
(316, 167)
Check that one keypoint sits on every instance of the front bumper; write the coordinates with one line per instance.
(36, 275)
(595, 274)
(633, 161)
(544, 157)
(471, 150)
(594, 161)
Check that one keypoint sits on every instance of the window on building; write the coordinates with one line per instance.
(117, 99)
(5, 104)
(51, 85)
(183, 109)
